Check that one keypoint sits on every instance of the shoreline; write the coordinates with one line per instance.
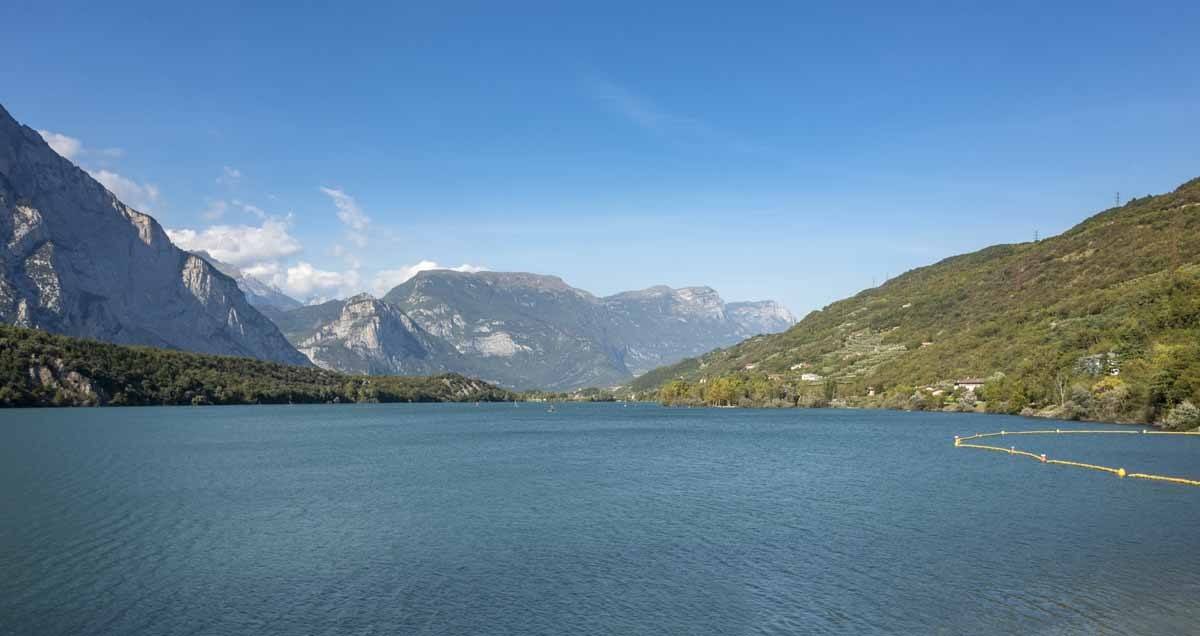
(536, 402)
(896, 410)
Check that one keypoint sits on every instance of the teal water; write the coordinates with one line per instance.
(597, 519)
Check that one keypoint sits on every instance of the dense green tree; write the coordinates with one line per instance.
(42, 369)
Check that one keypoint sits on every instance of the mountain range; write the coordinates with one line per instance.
(79, 262)
(1102, 321)
(520, 330)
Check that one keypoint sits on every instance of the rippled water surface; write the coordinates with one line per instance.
(597, 519)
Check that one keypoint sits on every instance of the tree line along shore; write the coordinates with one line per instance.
(42, 369)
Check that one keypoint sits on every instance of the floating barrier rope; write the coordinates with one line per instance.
(963, 442)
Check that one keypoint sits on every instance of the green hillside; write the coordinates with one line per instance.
(42, 369)
(1102, 321)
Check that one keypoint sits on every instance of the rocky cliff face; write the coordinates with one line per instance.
(371, 336)
(524, 330)
(78, 261)
(660, 325)
(760, 316)
(261, 294)
(520, 330)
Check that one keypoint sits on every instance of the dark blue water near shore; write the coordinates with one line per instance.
(597, 519)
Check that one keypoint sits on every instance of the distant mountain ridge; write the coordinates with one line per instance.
(78, 261)
(372, 337)
(81, 263)
(661, 323)
(521, 330)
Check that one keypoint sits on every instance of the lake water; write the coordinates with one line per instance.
(596, 519)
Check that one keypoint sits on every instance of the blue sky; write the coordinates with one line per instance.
(793, 151)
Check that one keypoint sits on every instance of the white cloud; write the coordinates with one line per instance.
(72, 148)
(302, 280)
(217, 209)
(241, 244)
(385, 280)
(348, 210)
(68, 147)
(141, 196)
(265, 272)
(351, 215)
(229, 176)
(252, 209)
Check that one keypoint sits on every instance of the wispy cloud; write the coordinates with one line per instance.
(140, 196)
(633, 107)
(68, 147)
(350, 214)
(215, 210)
(649, 116)
(250, 209)
(72, 148)
(229, 176)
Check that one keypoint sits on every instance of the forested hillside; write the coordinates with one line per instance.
(1102, 322)
(42, 369)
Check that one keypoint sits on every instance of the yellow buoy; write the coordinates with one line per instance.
(1119, 472)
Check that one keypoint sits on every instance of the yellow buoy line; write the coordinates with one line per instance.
(964, 442)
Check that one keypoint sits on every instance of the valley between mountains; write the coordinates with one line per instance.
(79, 262)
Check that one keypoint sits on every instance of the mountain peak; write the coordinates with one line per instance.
(515, 281)
(7, 122)
(362, 297)
(526, 330)
(82, 263)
